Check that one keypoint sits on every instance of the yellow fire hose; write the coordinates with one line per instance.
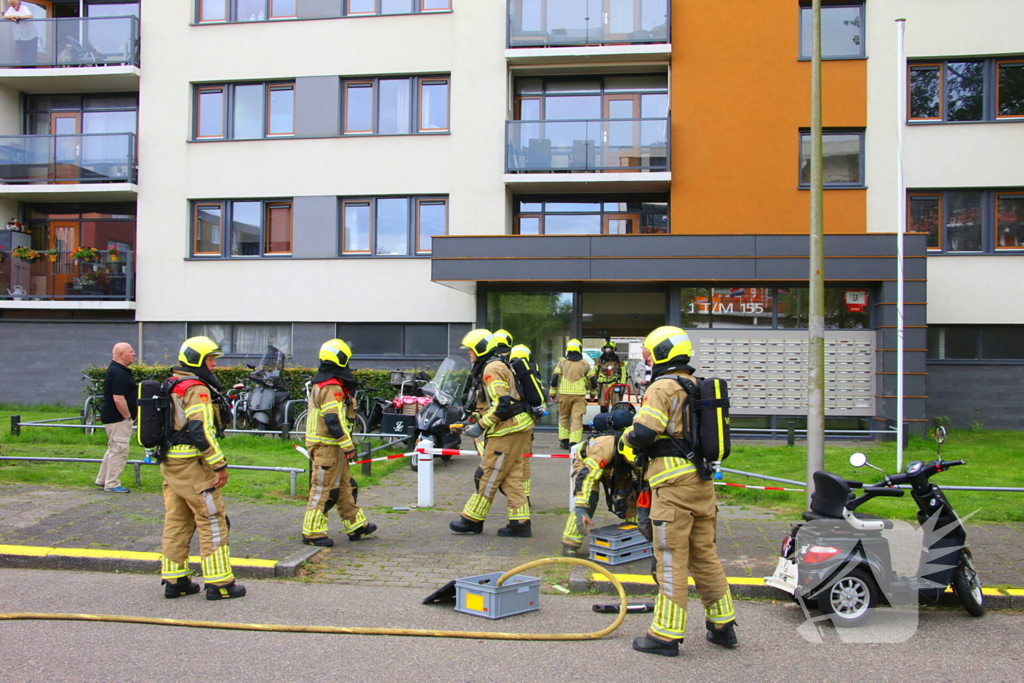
(284, 628)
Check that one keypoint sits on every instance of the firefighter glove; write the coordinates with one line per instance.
(474, 431)
(583, 521)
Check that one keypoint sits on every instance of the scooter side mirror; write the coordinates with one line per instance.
(858, 460)
(940, 435)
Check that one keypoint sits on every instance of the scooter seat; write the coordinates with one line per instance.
(811, 516)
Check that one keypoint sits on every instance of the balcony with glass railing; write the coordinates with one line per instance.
(587, 146)
(73, 42)
(561, 23)
(54, 276)
(67, 159)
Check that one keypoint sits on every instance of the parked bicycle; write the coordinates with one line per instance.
(93, 403)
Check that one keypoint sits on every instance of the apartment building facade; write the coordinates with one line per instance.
(396, 172)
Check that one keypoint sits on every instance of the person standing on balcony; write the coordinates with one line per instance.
(26, 37)
(117, 413)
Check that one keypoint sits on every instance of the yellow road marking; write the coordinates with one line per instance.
(648, 580)
(35, 551)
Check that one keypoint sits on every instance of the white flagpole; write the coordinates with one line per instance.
(901, 208)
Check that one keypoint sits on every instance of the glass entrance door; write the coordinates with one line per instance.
(541, 320)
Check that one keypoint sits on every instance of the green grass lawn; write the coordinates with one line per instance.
(270, 487)
(993, 459)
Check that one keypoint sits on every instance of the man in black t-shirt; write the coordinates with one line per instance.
(118, 417)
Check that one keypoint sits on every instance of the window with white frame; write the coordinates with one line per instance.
(245, 339)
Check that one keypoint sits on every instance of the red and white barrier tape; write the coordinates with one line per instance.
(761, 488)
(455, 451)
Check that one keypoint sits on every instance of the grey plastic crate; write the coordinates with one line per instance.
(617, 536)
(482, 597)
(622, 556)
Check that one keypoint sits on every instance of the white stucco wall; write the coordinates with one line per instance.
(961, 289)
(467, 165)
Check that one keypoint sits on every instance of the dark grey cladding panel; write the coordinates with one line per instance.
(913, 314)
(318, 9)
(317, 106)
(512, 245)
(307, 339)
(315, 227)
(835, 245)
(520, 269)
(850, 269)
(672, 245)
(659, 269)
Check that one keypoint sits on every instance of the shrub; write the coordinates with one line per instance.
(294, 378)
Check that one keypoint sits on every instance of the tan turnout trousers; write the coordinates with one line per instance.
(191, 503)
(502, 466)
(331, 486)
(571, 409)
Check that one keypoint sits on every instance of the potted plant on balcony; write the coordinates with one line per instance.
(53, 253)
(85, 255)
(13, 224)
(114, 253)
(27, 254)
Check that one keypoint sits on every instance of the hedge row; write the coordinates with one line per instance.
(294, 378)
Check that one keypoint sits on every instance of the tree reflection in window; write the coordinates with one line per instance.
(965, 89)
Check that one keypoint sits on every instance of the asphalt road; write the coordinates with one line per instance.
(947, 646)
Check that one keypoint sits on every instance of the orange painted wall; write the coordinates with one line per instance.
(739, 96)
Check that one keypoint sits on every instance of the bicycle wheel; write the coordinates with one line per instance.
(90, 415)
(359, 426)
(299, 428)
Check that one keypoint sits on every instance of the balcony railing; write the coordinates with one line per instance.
(84, 158)
(587, 146)
(59, 277)
(73, 41)
(555, 23)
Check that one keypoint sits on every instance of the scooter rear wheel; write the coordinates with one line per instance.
(967, 585)
(850, 600)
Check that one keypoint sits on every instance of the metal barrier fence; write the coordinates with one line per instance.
(293, 472)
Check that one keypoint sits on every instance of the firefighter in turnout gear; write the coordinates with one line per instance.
(610, 371)
(520, 353)
(505, 423)
(572, 380)
(594, 464)
(194, 470)
(329, 441)
(683, 513)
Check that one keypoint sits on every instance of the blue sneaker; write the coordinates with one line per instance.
(118, 489)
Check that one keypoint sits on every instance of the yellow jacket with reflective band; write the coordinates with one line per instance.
(617, 377)
(573, 377)
(196, 404)
(499, 381)
(599, 453)
(662, 411)
(324, 399)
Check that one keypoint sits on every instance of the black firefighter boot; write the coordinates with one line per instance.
(563, 444)
(232, 590)
(655, 646)
(364, 530)
(183, 586)
(516, 528)
(725, 636)
(322, 541)
(467, 526)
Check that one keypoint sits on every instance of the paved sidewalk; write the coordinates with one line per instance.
(414, 548)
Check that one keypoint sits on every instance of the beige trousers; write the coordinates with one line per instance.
(119, 436)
